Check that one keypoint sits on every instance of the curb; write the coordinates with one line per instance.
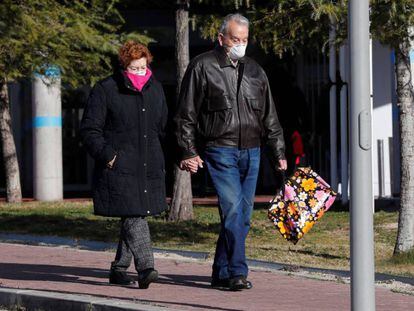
(49, 301)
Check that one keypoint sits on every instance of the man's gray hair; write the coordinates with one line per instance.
(238, 18)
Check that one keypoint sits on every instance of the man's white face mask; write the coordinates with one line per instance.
(237, 51)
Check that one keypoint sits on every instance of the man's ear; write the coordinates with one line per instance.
(220, 39)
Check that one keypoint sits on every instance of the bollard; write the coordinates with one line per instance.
(47, 136)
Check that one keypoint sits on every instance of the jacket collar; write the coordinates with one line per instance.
(222, 57)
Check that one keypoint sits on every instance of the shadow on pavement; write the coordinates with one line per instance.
(54, 273)
(199, 281)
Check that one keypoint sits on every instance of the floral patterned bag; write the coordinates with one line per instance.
(303, 200)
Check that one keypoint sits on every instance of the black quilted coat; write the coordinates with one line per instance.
(120, 120)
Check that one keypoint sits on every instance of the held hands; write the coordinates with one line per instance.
(192, 164)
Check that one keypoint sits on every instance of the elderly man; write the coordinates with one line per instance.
(225, 111)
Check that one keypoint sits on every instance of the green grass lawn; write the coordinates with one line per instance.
(325, 246)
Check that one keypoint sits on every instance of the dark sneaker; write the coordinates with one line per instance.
(146, 277)
(120, 278)
(220, 283)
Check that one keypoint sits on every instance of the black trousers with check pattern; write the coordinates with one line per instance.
(134, 241)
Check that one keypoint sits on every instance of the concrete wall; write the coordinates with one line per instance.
(383, 117)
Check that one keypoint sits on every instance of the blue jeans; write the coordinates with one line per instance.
(234, 175)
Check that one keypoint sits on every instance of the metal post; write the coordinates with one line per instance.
(381, 168)
(47, 136)
(344, 125)
(392, 168)
(332, 106)
(362, 201)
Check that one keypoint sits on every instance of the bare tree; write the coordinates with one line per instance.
(392, 23)
(182, 198)
(405, 237)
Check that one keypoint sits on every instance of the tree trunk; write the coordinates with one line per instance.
(405, 93)
(11, 165)
(182, 49)
(182, 198)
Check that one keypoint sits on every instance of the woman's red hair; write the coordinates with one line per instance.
(132, 50)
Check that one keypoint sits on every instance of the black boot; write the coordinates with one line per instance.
(120, 277)
(146, 277)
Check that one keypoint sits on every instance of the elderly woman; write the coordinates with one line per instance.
(121, 128)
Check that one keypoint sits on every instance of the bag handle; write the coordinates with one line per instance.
(284, 178)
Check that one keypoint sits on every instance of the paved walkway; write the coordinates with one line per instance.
(183, 285)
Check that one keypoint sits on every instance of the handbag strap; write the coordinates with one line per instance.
(284, 178)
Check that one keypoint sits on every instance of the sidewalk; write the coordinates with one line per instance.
(184, 285)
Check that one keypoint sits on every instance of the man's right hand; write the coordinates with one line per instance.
(110, 164)
(192, 164)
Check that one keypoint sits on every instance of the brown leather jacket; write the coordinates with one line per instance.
(224, 105)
